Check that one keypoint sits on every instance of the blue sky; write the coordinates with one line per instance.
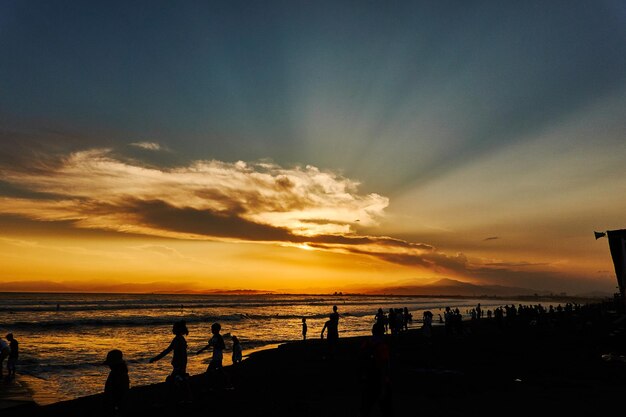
(407, 99)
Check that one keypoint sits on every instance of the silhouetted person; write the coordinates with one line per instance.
(391, 320)
(406, 318)
(449, 320)
(13, 355)
(215, 368)
(304, 328)
(427, 325)
(381, 318)
(117, 383)
(4, 353)
(179, 376)
(332, 334)
(335, 315)
(237, 351)
(375, 373)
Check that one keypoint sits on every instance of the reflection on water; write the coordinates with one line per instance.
(65, 348)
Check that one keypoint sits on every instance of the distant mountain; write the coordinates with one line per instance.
(447, 286)
(238, 292)
(33, 286)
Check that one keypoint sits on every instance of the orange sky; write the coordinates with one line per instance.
(310, 146)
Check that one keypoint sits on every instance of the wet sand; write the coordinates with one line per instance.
(548, 369)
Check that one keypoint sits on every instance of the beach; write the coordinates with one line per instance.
(65, 346)
(567, 366)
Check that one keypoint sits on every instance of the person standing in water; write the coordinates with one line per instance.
(178, 345)
(237, 351)
(215, 368)
(13, 355)
(304, 328)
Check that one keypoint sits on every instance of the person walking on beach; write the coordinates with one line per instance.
(13, 355)
(304, 328)
(237, 351)
(4, 353)
(179, 376)
(117, 384)
(215, 368)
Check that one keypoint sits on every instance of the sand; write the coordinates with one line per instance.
(552, 368)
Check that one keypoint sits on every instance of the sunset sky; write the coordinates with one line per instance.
(309, 145)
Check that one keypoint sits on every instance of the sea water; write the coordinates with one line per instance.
(64, 338)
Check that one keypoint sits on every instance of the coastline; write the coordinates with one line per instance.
(557, 368)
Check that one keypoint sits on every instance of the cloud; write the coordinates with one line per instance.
(262, 202)
(490, 238)
(256, 201)
(150, 146)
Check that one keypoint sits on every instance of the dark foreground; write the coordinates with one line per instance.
(550, 368)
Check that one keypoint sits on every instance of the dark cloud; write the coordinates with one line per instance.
(545, 279)
(430, 259)
(490, 238)
(15, 225)
(11, 190)
(521, 264)
(223, 224)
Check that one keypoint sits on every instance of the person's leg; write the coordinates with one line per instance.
(11, 368)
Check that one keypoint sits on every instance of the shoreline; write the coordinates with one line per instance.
(553, 367)
(28, 389)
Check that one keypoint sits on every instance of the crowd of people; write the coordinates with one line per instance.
(374, 351)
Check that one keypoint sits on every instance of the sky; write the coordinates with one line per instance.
(310, 146)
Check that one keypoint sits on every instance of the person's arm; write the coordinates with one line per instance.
(324, 328)
(162, 354)
(211, 343)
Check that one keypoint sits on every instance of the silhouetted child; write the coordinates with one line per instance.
(179, 376)
(13, 355)
(237, 351)
(215, 368)
(304, 328)
(117, 383)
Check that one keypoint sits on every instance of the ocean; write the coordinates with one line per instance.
(63, 347)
